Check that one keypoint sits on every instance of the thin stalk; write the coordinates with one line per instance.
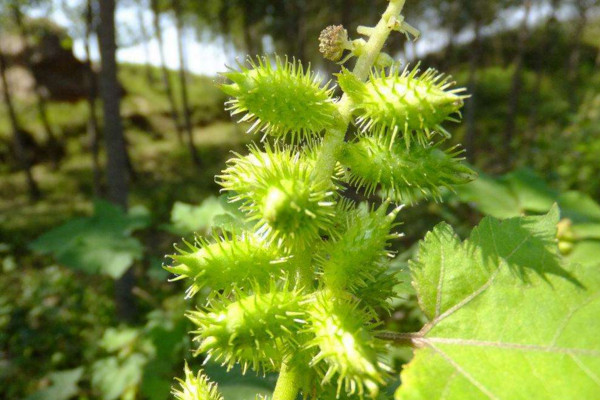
(288, 383)
(333, 140)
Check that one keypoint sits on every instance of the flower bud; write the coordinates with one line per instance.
(333, 40)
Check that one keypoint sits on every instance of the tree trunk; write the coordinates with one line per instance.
(545, 50)
(575, 56)
(92, 94)
(471, 88)
(516, 86)
(18, 141)
(187, 118)
(454, 28)
(116, 163)
(52, 142)
(164, 71)
(295, 28)
(146, 41)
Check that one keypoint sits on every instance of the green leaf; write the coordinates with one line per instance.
(587, 231)
(97, 244)
(188, 218)
(506, 319)
(579, 207)
(490, 197)
(64, 386)
(586, 252)
(114, 378)
(531, 191)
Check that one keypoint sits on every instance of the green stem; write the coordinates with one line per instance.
(304, 269)
(288, 384)
(334, 139)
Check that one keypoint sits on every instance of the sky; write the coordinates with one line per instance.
(206, 57)
(210, 56)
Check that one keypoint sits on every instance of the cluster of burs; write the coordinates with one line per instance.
(300, 286)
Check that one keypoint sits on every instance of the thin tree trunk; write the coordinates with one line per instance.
(545, 50)
(116, 164)
(575, 56)
(146, 41)
(471, 101)
(52, 142)
(18, 141)
(449, 56)
(294, 28)
(92, 94)
(165, 73)
(187, 118)
(516, 86)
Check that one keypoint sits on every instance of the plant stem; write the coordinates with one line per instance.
(333, 140)
(288, 384)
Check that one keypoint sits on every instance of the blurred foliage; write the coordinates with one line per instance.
(212, 213)
(50, 320)
(579, 167)
(100, 244)
(64, 386)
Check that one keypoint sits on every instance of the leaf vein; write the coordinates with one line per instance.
(570, 315)
(507, 345)
(585, 369)
(464, 373)
(459, 305)
(438, 302)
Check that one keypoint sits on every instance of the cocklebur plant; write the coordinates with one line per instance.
(299, 294)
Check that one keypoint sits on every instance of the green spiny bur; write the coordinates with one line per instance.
(230, 259)
(404, 174)
(255, 330)
(404, 102)
(342, 336)
(281, 99)
(350, 261)
(195, 387)
(279, 193)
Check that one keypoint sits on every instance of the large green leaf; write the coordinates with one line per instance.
(101, 243)
(506, 319)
